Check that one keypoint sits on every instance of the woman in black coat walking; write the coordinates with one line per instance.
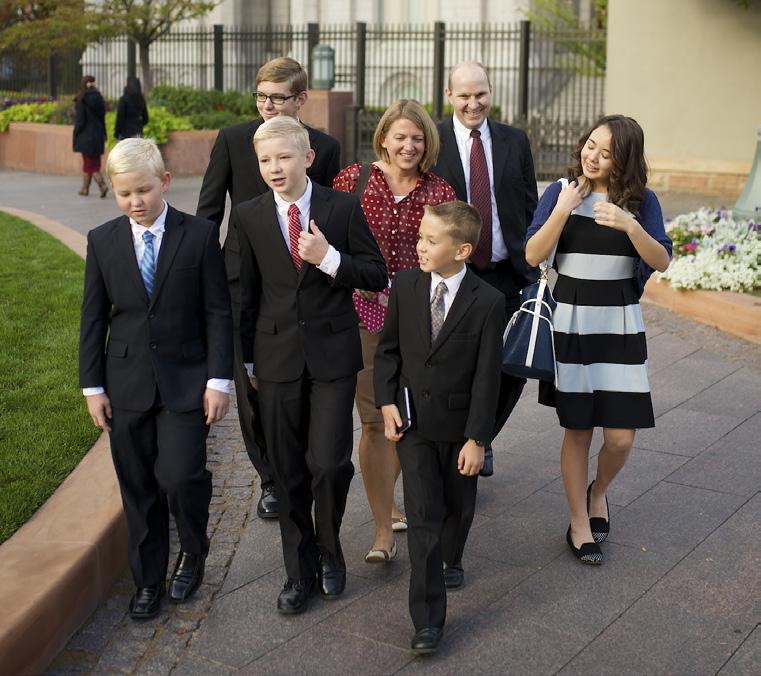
(90, 133)
(132, 113)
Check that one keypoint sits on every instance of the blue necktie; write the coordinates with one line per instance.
(148, 264)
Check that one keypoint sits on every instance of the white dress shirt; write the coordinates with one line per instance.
(453, 286)
(157, 229)
(464, 144)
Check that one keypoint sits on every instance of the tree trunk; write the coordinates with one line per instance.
(145, 66)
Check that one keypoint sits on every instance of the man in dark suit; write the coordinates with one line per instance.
(440, 348)
(233, 169)
(155, 363)
(304, 249)
(490, 166)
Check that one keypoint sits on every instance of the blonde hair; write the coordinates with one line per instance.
(284, 127)
(461, 220)
(135, 154)
(284, 69)
(408, 109)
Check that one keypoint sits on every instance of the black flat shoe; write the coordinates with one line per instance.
(268, 507)
(454, 577)
(488, 468)
(187, 576)
(600, 527)
(426, 641)
(295, 596)
(589, 553)
(331, 576)
(146, 602)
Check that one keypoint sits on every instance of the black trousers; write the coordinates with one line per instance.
(249, 414)
(439, 503)
(502, 278)
(160, 461)
(308, 427)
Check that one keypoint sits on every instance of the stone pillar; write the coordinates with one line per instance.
(326, 111)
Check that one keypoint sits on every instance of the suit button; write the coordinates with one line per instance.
(428, 364)
(152, 315)
(425, 394)
(154, 346)
(302, 323)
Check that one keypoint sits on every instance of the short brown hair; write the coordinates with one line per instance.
(284, 127)
(408, 109)
(284, 69)
(462, 220)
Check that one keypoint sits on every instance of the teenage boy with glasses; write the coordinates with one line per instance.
(234, 169)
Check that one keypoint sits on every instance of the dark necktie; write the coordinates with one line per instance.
(480, 198)
(294, 230)
(437, 310)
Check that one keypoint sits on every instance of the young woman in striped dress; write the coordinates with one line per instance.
(609, 233)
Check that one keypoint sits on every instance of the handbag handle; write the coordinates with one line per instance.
(546, 264)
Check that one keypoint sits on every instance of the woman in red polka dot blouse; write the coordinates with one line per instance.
(399, 185)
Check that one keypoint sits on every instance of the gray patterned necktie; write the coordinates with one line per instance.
(437, 310)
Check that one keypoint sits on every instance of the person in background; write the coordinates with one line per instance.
(608, 230)
(132, 112)
(90, 133)
(394, 191)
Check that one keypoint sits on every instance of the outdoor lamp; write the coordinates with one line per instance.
(323, 67)
(749, 204)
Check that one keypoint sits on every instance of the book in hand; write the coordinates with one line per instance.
(406, 410)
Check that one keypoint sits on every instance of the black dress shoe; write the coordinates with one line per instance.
(187, 575)
(146, 602)
(295, 596)
(426, 641)
(589, 553)
(267, 507)
(600, 527)
(488, 468)
(454, 577)
(331, 575)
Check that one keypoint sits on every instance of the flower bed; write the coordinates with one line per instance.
(713, 250)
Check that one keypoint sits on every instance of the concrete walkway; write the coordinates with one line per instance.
(680, 591)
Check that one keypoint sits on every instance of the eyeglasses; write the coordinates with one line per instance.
(276, 99)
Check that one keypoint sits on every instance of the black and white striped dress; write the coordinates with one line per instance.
(600, 342)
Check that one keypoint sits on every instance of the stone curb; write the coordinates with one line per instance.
(57, 568)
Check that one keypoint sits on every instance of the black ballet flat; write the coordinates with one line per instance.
(600, 527)
(589, 553)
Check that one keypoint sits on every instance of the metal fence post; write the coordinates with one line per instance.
(131, 58)
(313, 39)
(52, 81)
(523, 64)
(219, 57)
(359, 82)
(439, 38)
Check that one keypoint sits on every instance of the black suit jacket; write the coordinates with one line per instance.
(454, 382)
(514, 185)
(176, 340)
(290, 320)
(233, 168)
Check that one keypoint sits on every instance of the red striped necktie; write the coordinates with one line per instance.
(480, 198)
(294, 230)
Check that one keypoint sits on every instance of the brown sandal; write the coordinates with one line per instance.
(381, 555)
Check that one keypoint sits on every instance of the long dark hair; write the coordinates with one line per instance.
(134, 91)
(628, 176)
(83, 88)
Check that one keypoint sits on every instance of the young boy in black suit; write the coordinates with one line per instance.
(440, 349)
(304, 248)
(155, 363)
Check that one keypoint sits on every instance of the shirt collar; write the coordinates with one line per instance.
(158, 227)
(453, 282)
(302, 202)
(463, 133)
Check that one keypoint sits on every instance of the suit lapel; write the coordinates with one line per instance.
(462, 301)
(271, 227)
(170, 242)
(319, 211)
(452, 158)
(498, 153)
(423, 307)
(125, 245)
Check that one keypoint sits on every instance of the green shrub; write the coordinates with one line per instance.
(190, 101)
(216, 119)
(27, 112)
(158, 128)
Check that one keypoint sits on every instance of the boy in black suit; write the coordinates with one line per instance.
(155, 363)
(304, 248)
(440, 348)
(281, 90)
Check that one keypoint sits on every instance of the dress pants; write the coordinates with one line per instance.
(439, 503)
(160, 457)
(309, 430)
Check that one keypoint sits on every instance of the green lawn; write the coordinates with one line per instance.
(44, 427)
